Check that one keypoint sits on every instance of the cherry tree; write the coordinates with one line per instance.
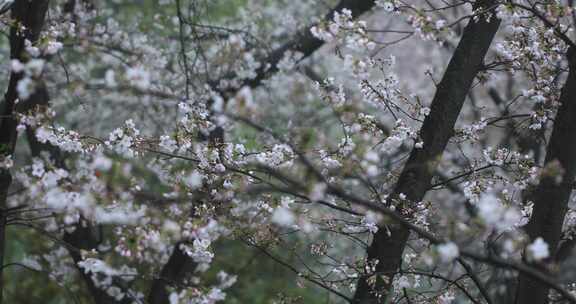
(381, 151)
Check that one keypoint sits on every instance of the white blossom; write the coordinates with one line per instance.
(447, 252)
(138, 77)
(538, 250)
(283, 217)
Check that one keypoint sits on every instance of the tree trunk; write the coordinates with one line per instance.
(551, 197)
(31, 15)
(418, 171)
(175, 270)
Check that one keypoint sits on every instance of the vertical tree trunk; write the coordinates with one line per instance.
(436, 130)
(550, 197)
(30, 15)
(176, 269)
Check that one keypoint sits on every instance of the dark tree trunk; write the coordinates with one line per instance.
(551, 198)
(176, 269)
(31, 15)
(418, 171)
(84, 238)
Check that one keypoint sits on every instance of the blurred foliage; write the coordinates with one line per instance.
(260, 279)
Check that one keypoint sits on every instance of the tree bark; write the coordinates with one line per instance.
(437, 129)
(30, 15)
(550, 196)
(175, 270)
(84, 238)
